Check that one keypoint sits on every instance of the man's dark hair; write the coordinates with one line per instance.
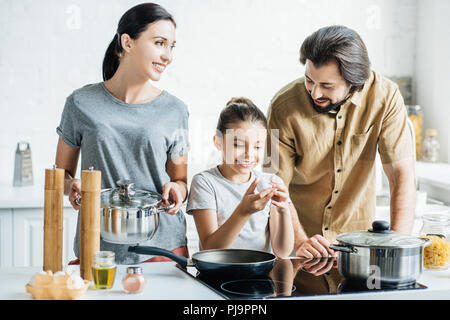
(343, 45)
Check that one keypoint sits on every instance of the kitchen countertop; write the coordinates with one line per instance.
(435, 173)
(24, 197)
(166, 282)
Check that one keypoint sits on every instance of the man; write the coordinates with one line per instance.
(329, 124)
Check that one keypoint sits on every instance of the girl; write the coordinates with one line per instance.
(129, 129)
(228, 212)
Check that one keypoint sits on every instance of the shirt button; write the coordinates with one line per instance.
(336, 191)
(339, 143)
(325, 229)
(339, 170)
(339, 117)
(329, 207)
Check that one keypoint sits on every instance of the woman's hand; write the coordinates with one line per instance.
(75, 192)
(173, 194)
(251, 202)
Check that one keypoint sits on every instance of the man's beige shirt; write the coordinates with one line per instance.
(328, 160)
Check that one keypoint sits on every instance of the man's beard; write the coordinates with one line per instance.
(330, 107)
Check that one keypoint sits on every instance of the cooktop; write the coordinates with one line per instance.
(292, 277)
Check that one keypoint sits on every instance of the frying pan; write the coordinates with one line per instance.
(219, 262)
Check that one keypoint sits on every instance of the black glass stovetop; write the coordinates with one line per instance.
(291, 278)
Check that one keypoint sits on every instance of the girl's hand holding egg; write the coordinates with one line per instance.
(253, 202)
(281, 195)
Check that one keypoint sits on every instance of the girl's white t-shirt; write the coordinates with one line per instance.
(211, 190)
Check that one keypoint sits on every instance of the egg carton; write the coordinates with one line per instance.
(58, 286)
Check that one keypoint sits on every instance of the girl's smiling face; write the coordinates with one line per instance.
(242, 146)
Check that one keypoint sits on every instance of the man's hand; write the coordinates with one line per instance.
(315, 247)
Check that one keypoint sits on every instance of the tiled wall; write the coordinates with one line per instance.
(225, 48)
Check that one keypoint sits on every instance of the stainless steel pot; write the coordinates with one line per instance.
(129, 216)
(380, 256)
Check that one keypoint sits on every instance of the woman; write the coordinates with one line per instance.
(129, 129)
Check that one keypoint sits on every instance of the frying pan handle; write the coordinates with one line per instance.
(183, 261)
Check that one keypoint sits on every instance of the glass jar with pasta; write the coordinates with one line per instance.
(415, 114)
(436, 227)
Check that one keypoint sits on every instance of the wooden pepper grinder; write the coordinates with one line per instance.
(53, 219)
(89, 220)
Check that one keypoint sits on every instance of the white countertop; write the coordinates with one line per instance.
(434, 173)
(24, 197)
(166, 282)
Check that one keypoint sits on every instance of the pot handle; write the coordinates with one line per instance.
(183, 261)
(339, 247)
(162, 208)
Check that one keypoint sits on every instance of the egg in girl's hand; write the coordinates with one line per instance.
(265, 182)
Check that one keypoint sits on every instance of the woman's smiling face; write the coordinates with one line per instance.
(242, 146)
(151, 52)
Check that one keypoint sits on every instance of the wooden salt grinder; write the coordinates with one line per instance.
(89, 220)
(53, 219)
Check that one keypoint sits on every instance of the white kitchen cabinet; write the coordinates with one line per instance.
(28, 236)
(6, 251)
(22, 226)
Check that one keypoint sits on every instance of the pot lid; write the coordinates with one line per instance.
(125, 196)
(380, 236)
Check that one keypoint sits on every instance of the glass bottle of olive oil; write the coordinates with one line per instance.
(104, 270)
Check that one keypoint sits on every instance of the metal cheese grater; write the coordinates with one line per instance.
(23, 166)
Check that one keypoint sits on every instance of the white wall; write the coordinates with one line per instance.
(433, 68)
(225, 48)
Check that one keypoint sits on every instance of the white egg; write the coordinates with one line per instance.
(263, 184)
(78, 282)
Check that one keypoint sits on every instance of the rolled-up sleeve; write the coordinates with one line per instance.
(280, 154)
(180, 138)
(395, 139)
(69, 129)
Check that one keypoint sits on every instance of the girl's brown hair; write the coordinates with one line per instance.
(237, 110)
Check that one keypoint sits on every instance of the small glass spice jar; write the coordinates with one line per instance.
(134, 281)
(436, 227)
(431, 146)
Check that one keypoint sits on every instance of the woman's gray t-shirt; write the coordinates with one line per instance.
(128, 141)
(211, 190)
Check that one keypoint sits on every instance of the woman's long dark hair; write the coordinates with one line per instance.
(133, 22)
